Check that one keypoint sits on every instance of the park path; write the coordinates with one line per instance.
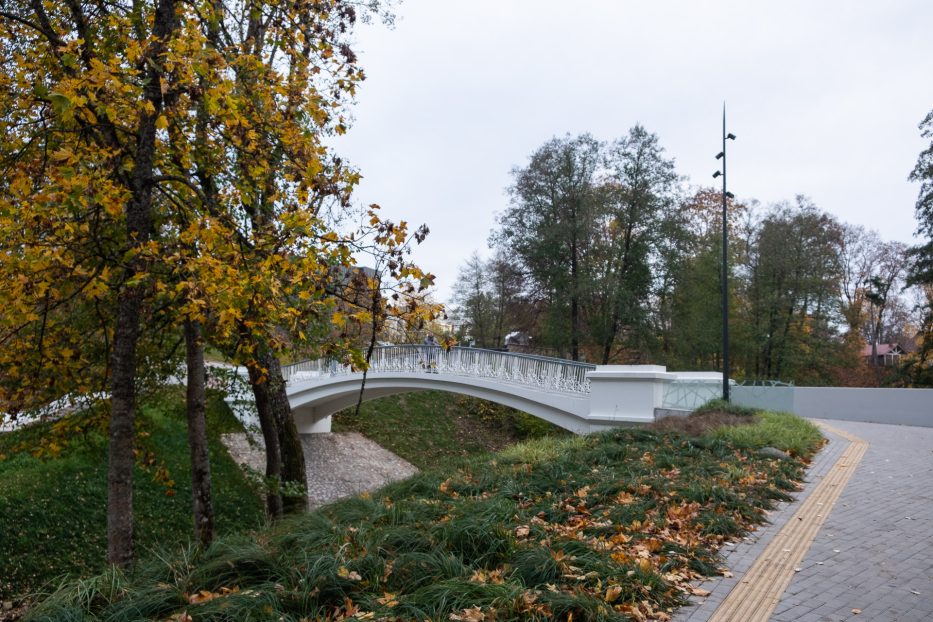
(858, 538)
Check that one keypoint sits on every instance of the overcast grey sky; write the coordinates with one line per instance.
(824, 96)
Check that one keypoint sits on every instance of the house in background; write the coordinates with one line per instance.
(886, 354)
(519, 342)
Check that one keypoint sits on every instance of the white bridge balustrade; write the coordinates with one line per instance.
(580, 397)
(539, 371)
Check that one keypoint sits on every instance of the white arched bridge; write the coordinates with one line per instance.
(577, 396)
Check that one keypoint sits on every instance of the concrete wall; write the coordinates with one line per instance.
(894, 406)
(769, 398)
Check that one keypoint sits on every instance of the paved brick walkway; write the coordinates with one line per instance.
(874, 553)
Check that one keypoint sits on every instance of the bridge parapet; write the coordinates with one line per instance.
(691, 389)
(540, 372)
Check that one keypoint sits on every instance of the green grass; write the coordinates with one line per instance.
(432, 428)
(599, 528)
(722, 406)
(52, 510)
(729, 422)
(781, 430)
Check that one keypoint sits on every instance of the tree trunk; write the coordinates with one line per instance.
(610, 339)
(126, 331)
(202, 507)
(122, 418)
(290, 446)
(270, 435)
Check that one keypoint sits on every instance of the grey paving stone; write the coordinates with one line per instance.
(793, 614)
(876, 545)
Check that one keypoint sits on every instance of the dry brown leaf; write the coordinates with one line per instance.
(350, 575)
(202, 597)
(388, 599)
(473, 614)
(613, 593)
(624, 498)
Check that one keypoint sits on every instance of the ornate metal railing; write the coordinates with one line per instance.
(545, 373)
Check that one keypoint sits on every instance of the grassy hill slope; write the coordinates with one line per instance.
(53, 494)
(431, 428)
(605, 527)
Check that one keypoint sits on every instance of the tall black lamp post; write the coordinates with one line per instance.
(725, 259)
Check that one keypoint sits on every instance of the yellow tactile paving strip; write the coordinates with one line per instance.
(755, 597)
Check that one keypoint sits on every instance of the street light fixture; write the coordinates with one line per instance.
(725, 259)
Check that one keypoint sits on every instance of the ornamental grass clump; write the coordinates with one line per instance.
(611, 526)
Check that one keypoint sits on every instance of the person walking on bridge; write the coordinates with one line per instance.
(430, 346)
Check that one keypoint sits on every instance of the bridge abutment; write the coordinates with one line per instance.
(627, 393)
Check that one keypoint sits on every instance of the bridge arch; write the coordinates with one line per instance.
(315, 399)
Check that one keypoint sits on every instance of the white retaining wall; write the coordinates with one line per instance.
(894, 406)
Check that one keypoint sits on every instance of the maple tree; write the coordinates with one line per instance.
(165, 170)
(80, 111)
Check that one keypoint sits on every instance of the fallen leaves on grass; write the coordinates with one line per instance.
(349, 575)
(620, 526)
(473, 614)
(204, 596)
